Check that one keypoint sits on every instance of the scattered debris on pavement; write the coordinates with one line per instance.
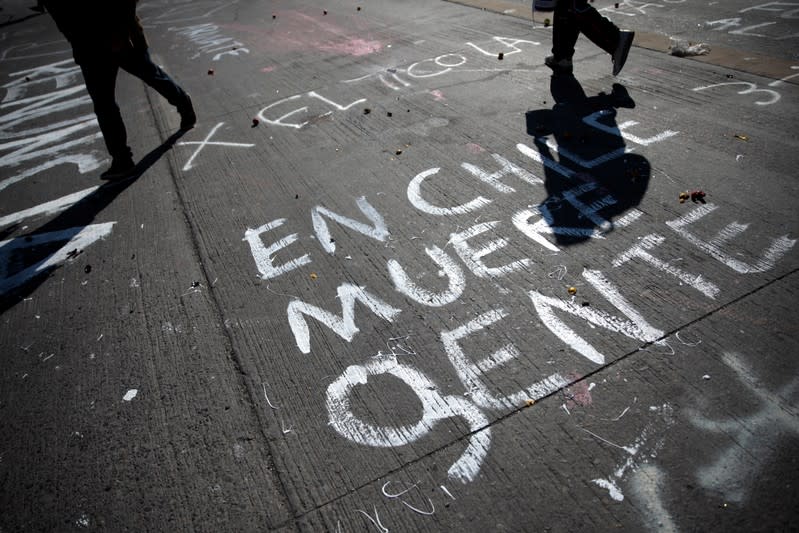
(688, 49)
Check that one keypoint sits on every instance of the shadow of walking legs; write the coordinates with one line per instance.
(26, 260)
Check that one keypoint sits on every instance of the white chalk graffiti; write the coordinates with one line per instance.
(452, 61)
(782, 80)
(435, 407)
(632, 8)
(207, 142)
(482, 249)
(36, 96)
(57, 142)
(638, 452)
(508, 42)
(416, 199)
(635, 327)
(753, 436)
(393, 78)
(210, 41)
(263, 254)
(647, 483)
(311, 95)
(48, 208)
(472, 257)
(74, 238)
(620, 130)
(344, 326)
(713, 247)
(377, 231)
(749, 88)
(165, 12)
(546, 223)
(472, 373)
(449, 268)
(433, 67)
(787, 11)
(643, 250)
(34, 50)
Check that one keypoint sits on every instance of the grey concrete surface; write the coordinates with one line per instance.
(401, 278)
(747, 27)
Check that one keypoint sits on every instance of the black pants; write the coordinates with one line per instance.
(573, 17)
(100, 74)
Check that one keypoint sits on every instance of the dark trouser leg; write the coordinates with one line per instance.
(600, 30)
(564, 30)
(100, 78)
(138, 63)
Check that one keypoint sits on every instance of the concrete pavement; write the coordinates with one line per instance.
(400, 278)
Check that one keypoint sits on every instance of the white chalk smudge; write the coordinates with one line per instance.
(611, 487)
(646, 482)
(130, 395)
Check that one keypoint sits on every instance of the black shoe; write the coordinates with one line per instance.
(120, 169)
(559, 66)
(622, 49)
(187, 116)
(621, 98)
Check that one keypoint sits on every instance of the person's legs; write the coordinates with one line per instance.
(100, 78)
(565, 30)
(138, 63)
(600, 30)
(573, 17)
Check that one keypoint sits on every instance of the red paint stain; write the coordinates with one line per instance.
(578, 393)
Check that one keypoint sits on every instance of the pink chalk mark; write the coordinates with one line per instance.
(473, 148)
(438, 95)
(578, 393)
(268, 69)
(353, 47)
(294, 31)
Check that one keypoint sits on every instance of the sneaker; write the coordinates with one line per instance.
(187, 116)
(622, 49)
(120, 169)
(560, 65)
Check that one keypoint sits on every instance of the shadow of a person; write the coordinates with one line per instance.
(30, 256)
(595, 177)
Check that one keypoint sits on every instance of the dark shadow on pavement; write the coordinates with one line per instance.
(20, 19)
(591, 178)
(21, 256)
